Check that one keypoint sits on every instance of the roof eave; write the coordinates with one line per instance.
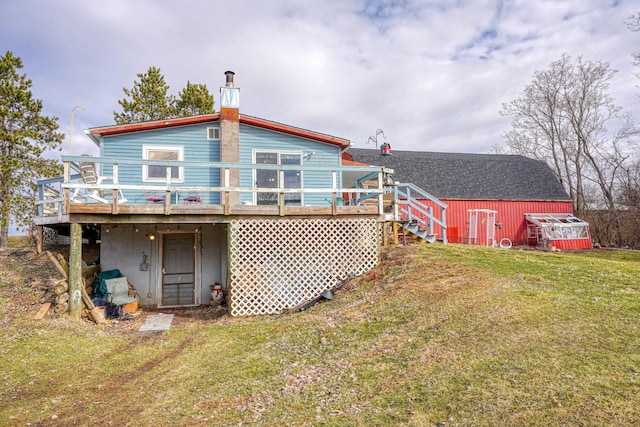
(159, 124)
(291, 130)
(96, 133)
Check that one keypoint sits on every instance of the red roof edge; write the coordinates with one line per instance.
(279, 127)
(160, 124)
(248, 120)
(347, 162)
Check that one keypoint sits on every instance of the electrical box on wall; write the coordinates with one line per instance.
(143, 265)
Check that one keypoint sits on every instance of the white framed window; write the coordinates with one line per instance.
(267, 178)
(213, 134)
(158, 173)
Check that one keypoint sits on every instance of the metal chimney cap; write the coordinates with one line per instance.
(229, 75)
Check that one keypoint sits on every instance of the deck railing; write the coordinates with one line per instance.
(416, 205)
(56, 195)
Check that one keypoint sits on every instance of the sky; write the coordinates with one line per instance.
(432, 75)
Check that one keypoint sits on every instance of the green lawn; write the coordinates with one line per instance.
(455, 334)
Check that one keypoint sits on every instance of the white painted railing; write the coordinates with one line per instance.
(55, 195)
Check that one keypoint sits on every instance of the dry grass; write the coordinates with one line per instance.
(453, 334)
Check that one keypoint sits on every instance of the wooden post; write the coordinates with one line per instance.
(385, 236)
(75, 272)
(396, 239)
(39, 237)
(167, 193)
(281, 200)
(65, 192)
(116, 192)
(334, 195)
(381, 194)
(281, 204)
(226, 197)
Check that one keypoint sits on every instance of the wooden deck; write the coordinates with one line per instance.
(100, 213)
(71, 199)
(192, 213)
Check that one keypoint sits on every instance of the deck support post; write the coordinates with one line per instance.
(39, 237)
(385, 233)
(396, 239)
(75, 271)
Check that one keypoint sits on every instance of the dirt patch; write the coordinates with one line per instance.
(23, 289)
(24, 275)
(190, 315)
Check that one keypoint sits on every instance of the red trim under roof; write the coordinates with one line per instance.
(247, 120)
(347, 162)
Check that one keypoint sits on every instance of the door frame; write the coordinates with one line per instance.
(197, 288)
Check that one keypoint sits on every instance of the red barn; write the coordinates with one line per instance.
(491, 198)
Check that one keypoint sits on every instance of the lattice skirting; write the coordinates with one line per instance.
(49, 236)
(277, 264)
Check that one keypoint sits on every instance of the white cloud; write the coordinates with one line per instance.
(432, 74)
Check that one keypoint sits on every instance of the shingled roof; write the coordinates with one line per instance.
(470, 176)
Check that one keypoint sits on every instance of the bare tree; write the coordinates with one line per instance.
(563, 118)
(629, 185)
(633, 23)
(630, 200)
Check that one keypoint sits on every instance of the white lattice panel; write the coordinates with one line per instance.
(49, 236)
(276, 264)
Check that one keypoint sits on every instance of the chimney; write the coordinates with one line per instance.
(229, 75)
(229, 98)
(230, 134)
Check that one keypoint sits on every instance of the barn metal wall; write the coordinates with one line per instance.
(573, 244)
(510, 213)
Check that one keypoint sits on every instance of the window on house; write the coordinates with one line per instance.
(158, 173)
(213, 134)
(270, 178)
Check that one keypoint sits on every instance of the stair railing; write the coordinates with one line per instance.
(410, 207)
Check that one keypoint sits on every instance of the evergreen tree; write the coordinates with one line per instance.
(149, 100)
(195, 99)
(24, 136)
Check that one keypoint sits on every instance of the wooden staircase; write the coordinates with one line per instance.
(412, 212)
(414, 231)
(418, 215)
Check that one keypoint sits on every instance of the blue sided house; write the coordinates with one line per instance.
(225, 202)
